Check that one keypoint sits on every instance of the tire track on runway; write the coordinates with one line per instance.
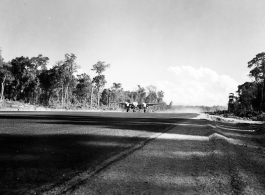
(84, 177)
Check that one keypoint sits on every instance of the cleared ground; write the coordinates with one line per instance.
(42, 150)
(195, 157)
(128, 153)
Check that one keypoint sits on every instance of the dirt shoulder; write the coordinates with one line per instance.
(219, 118)
(195, 157)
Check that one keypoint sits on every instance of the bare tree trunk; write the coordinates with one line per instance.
(49, 100)
(68, 99)
(98, 98)
(108, 100)
(66, 96)
(86, 100)
(62, 97)
(91, 99)
(3, 88)
(262, 91)
(261, 102)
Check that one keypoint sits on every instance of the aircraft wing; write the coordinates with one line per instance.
(124, 103)
(151, 104)
(146, 105)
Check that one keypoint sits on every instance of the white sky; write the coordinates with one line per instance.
(195, 50)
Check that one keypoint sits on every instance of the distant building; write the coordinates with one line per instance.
(231, 102)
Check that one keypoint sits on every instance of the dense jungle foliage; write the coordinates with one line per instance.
(28, 80)
(250, 97)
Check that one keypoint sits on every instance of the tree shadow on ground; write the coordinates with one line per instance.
(41, 156)
(33, 153)
(183, 166)
(135, 121)
(33, 161)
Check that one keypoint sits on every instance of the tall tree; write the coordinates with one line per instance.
(258, 72)
(116, 86)
(47, 82)
(134, 96)
(40, 62)
(99, 80)
(70, 67)
(105, 96)
(26, 72)
(100, 67)
(83, 88)
(21, 69)
(5, 74)
(160, 96)
(248, 94)
(115, 92)
(141, 94)
(152, 96)
(38, 65)
(64, 81)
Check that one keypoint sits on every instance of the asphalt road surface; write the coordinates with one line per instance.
(128, 153)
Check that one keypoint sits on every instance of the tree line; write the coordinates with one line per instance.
(29, 80)
(251, 94)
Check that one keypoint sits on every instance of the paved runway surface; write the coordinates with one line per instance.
(42, 150)
(128, 153)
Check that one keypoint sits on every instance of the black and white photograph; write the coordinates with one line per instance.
(143, 97)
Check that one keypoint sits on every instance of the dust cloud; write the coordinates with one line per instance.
(184, 110)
